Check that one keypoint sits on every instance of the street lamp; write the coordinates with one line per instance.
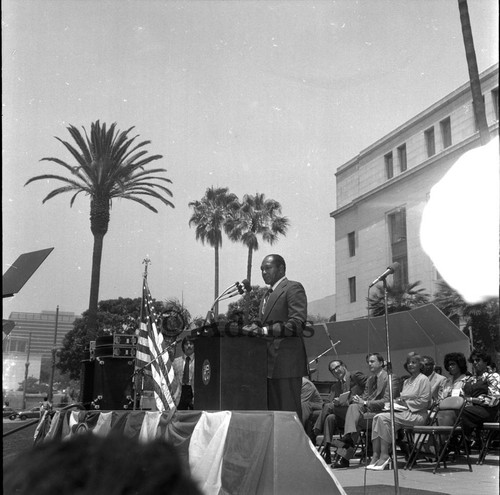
(54, 353)
(27, 365)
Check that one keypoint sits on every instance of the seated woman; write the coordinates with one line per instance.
(415, 397)
(455, 364)
(482, 392)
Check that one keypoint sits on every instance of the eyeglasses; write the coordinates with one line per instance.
(476, 360)
(333, 370)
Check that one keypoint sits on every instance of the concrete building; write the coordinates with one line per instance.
(41, 326)
(381, 194)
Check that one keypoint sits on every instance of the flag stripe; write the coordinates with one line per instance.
(151, 348)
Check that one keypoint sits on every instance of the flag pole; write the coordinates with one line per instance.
(138, 377)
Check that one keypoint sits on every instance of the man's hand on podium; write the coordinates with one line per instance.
(253, 330)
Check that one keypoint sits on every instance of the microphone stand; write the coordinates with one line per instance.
(391, 391)
(140, 371)
(226, 294)
(323, 353)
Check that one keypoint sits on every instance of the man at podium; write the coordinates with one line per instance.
(282, 318)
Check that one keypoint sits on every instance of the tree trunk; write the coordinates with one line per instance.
(99, 221)
(475, 84)
(216, 288)
(249, 265)
(94, 285)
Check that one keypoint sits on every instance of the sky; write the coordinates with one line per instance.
(257, 96)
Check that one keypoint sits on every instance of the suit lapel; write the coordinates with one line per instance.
(347, 379)
(380, 383)
(273, 297)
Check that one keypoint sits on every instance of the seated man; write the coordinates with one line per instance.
(333, 412)
(373, 398)
(437, 381)
(311, 402)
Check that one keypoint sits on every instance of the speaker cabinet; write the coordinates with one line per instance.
(87, 382)
(113, 386)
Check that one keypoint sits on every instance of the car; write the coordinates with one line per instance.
(34, 412)
(10, 413)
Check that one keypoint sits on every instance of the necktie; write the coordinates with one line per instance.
(185, 374)
(266, 298)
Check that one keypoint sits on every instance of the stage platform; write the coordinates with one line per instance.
(229, 452)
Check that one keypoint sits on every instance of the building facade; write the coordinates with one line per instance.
(32, 340)
(381, 194)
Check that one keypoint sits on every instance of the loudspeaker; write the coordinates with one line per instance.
(113, 383)
(87, 382)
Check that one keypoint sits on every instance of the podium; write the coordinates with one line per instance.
(230, 373)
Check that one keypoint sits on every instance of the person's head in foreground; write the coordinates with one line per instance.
(95, 465)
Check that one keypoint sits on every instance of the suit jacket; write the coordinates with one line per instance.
(354, 382)
(376, 395)
(285, 316)
(178, 366)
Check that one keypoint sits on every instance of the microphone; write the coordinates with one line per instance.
(234, 289)
(390, 270)
(246, 285)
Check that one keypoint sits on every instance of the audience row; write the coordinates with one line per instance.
(353, 394)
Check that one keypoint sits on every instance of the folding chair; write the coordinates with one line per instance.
(491, 429)
(440, 436)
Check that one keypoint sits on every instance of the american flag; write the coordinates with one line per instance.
(150, 345)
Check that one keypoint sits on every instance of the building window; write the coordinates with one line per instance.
(351, 240)
(494, 97)
(352, 289)
(17, 344)
(446, 132)
(389, 169)
(430, 142)
(398, 244)
(402, 158)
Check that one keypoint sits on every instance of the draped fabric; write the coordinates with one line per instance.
(227, 452)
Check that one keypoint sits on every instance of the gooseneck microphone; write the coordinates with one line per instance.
(389, 271)
(246, 285)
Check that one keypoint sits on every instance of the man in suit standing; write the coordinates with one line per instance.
(283, 313)
(373, 398)
(184, 370)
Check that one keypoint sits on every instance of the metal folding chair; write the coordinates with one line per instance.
(491, 430)
(440, 436)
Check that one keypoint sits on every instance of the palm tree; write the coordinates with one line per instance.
(108, 165)
(209, 217)
(475, 84)
(257, 216)
(399, 298)
(480, 320)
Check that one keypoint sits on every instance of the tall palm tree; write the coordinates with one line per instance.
(399, 298)
(209, 217)
(257, 216)
(479, 321)
(475, 84)
(108, 165)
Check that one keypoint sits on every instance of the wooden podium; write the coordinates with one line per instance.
(230, 373)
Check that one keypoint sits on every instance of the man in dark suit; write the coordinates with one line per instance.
(283, 313)
(333, 413)
(373, 398)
